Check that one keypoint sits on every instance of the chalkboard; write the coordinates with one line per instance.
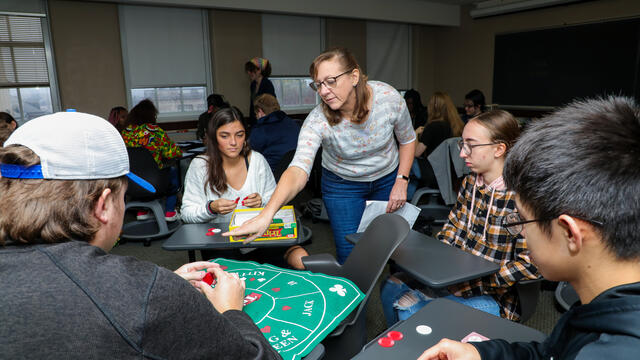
(551, 67)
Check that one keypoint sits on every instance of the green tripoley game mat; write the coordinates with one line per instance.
(295, 310)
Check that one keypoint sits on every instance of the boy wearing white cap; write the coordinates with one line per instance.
(62, 193)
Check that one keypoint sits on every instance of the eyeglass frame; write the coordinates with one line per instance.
(509, 225)
(315, 86)
(461, 145)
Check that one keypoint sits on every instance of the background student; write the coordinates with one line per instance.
(258, 70)
(474, 105)
(63, 295)
(443, 123)
(475, 225)
(360, 158)
(215, 102)
(142, 131)
(578, 206)
(275, 133)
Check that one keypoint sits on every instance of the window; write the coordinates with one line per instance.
(25, 89)
(166, 59)
(291, 43)
(294, 93)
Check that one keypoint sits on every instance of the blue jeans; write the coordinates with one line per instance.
(391, 292)
(345, 202)
(415, 173)
(170, 203)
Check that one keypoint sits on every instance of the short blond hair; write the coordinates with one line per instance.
(48, 211)
(267, 103)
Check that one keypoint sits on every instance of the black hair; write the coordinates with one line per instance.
(583, 160)
(415, 96)
(7, 118)
(143, 113)
(477, 97)
(216, 178)
(217, 100)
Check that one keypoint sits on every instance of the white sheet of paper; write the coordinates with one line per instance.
(373, 208)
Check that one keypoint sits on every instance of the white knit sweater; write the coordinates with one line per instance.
(194, 202)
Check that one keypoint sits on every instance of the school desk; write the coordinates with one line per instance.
(435, 263)
(443, 318)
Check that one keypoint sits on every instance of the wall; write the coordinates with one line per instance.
(351, 34)
(236, 37)
(464, 55)
(86, 46)
(423, 61)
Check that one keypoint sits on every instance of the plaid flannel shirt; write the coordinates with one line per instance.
(497, 245)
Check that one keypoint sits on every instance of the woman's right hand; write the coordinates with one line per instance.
(223, 206)
(253, 227)
(228, 293)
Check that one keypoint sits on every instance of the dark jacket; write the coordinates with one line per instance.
(273, 136)
(74, 301)
(266, 87)
(606, 328)
(203, 124)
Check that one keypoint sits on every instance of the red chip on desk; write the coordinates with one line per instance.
(208, 278)
(386, 342)
(395, 335)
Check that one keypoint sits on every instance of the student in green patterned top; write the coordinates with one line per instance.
(142, 131)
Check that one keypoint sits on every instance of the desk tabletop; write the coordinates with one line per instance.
(435, 263)
(194, 237)
(445, 319)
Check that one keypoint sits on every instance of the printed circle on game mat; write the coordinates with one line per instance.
(216, 230)
(386, 342)
(395, 335)
(423, 329)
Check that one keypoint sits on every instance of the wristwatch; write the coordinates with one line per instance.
(400, 176)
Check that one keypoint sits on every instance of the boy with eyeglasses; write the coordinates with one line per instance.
(576, 174)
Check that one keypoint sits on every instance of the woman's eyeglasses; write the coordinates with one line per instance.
(329, 82)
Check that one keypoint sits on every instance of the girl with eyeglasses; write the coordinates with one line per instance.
(357, 125)
(475, 225)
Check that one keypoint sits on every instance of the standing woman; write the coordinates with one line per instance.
(356, 124)
(259, 70)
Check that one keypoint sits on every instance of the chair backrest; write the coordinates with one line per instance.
(448, 167)
(370, 255)
(283, 164)
(141, 163)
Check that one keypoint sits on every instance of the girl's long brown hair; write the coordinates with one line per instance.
(348, 61)
(216, 178)
(441, 108)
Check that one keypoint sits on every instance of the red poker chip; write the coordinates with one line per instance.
(208, 278)
(395, 335)
(386, 342)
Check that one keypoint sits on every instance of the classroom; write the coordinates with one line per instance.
(261, 142)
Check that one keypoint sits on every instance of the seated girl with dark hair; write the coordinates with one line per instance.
(228, 170)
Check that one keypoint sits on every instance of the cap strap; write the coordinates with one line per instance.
(21, 171)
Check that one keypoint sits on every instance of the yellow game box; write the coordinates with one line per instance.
(283, 226)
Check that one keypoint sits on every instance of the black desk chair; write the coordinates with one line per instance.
(363, 266)
(444, 159)
(141, 163)
(566, 296)
(528, 292)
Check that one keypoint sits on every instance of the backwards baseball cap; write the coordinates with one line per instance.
(72, 146)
